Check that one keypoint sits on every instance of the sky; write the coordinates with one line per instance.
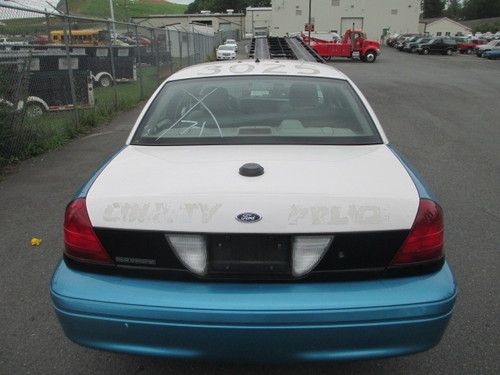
(181, 1)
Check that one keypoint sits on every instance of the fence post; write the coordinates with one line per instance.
(71, 79)
(168, 43)
(180, 47)
(139, 63)
(156, 47)
(113, 70)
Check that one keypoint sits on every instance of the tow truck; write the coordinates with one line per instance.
(353, 44)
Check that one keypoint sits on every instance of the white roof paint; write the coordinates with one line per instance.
(264, 67)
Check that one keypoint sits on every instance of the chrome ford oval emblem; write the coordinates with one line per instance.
(248, 217)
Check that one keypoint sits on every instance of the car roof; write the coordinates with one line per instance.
(263, 67)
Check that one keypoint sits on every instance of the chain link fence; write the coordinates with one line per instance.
(61, 75)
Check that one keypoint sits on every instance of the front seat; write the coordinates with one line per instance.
(303, 96)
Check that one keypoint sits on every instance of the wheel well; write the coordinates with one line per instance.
(36, 99)
(99, 75)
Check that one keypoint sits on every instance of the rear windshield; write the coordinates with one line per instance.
(257, 110)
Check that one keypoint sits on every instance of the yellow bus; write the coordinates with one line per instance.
(92, 37)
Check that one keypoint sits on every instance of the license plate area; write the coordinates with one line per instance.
(241, 254)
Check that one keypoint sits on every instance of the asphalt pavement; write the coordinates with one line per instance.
(441, 112)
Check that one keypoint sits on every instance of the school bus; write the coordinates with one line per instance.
(93, 37)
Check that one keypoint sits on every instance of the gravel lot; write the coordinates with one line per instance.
(442, 113)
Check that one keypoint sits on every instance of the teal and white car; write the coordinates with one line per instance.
(257, 212)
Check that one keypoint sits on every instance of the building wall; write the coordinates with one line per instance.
(219, 22)
(258, 18)
(399, 16)
(443, 27)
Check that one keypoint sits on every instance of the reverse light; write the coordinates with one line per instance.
(307, 251)
(426, 238)
(191, 249)
(80, 240)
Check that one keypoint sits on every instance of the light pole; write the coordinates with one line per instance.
(112, 18)
(309, 24)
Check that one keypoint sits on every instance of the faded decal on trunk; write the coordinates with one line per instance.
(336, 215)
(160, 212)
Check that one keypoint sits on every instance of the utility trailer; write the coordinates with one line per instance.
(276, 48)
(97, 59)
(39, 82)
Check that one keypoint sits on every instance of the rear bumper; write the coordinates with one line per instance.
(254, 322)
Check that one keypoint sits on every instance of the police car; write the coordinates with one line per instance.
(257, 212)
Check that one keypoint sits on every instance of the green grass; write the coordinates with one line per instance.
(124, 9)
(33, 136)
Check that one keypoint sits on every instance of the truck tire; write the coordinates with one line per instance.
(370, 56)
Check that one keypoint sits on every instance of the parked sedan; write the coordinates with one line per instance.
(232, 42)
(257, 212)
(492, 55)
(413, 46)
(490, 46)
(226, 52)
(443, 46)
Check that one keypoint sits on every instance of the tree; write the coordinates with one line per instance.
(454, 9)
(474, 9)
(433, 8)
(221, 5)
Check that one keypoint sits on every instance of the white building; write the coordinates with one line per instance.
(443, 27)
(218, 21)
(375, 17)
(258, 18)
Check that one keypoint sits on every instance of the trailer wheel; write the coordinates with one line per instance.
(370, 56)
(34, 109)
(105, 81)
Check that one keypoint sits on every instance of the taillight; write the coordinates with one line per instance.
(80, 240)
(426, 238)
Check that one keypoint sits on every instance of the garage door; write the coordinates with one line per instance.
(347, 22)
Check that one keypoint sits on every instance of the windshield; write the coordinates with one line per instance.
(226, 48)
(257, 110)
(230, 41)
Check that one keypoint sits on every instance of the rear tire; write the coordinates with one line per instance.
(34, 109)
(105, 81)
(449, 52)
(370, 56)
(425, 51)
